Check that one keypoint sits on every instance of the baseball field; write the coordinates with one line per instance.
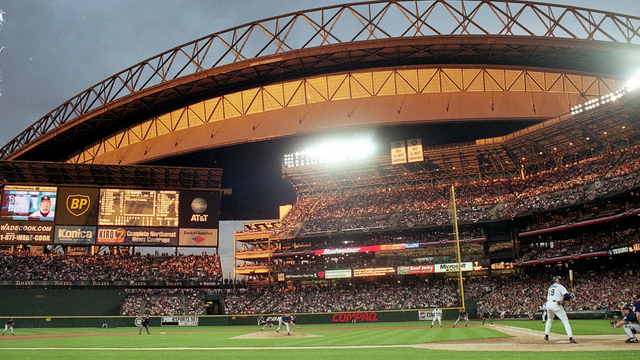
(407, 340)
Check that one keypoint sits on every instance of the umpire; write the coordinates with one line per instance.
(144, 324)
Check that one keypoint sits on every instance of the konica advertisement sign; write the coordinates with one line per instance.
(75, 235)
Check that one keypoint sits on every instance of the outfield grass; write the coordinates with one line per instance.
(344, 341)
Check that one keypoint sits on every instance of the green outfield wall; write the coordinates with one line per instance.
(61, 302)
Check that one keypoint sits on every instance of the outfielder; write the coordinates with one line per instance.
(629, 322)
(437, 315)
(144, 324)
(286, 319)
(462, 315)
(556, 295)
(8, 325)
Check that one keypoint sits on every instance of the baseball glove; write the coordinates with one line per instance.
(613, 322)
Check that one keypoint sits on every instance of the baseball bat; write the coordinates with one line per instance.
(571, 279)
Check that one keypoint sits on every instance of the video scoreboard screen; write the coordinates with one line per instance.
(32, 203)
(130, 207)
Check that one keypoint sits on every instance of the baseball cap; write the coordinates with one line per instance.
(45, 198)
(627, 307)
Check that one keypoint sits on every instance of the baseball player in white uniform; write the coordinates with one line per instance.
(437, 315)
(555, 297)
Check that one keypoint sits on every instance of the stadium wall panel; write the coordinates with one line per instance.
(30, 302)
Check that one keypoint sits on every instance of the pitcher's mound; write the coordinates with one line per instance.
(272, 334)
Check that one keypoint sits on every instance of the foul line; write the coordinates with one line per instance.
(226, 348)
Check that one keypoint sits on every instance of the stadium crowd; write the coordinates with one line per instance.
(572, 243)
(573, 183)
(107, 267)
(513, 295)
(163, 301)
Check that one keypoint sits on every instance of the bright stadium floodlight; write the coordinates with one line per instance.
(331, 152)
(633, 83)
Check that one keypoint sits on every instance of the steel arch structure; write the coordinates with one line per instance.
(337, 38)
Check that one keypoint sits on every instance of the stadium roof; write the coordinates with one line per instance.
(337, 38)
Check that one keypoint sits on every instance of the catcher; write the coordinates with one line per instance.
(629, 322)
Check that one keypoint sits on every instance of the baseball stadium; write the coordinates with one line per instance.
(478, 157)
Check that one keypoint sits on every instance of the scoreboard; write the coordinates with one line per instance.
(125, 207)
(109, 216)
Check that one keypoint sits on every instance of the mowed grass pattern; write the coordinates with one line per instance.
(370, 342)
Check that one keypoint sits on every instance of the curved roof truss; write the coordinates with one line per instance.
(184, 73)
(231, 119)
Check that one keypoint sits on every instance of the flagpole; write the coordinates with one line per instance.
(457, 235)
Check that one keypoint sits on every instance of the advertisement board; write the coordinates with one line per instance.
(78, 206)
(199, 218)
(373, 271)
(137, 236)
(335, 274)
(451, 267)
(416, 269)
(25, 232)
(180, 321)
(75, 235)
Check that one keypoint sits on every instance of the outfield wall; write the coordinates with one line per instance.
(61, 302)
(230, 320)
(346, 318)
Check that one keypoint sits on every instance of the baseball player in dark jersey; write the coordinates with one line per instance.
(487, 315)
(636, 306)
(268, 323)
(286, 319)
(144, 324)
(8, 325)
(463, 315)
(629, 323)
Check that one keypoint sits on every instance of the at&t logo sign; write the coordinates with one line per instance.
(199, 206)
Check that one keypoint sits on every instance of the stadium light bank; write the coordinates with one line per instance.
(631, 85)
(331, 152)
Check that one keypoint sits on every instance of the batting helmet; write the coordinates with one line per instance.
(556, 278)
(627, 307)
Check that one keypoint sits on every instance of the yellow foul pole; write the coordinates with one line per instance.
(454, 216)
